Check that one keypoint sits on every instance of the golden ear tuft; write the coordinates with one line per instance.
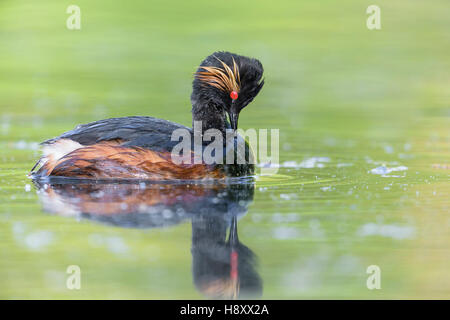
(222, 289)
(225, 79)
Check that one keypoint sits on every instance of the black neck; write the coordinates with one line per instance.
(214, 117)
(211, 116)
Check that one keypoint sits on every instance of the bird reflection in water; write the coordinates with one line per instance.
(222, 267)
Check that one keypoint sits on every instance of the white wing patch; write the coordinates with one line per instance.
(51, 153)
(59, 149)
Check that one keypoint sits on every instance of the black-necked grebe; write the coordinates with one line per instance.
(140, 147)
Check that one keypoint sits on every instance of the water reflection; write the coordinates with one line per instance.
(222, 266)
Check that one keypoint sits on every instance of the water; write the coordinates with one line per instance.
(306, 232)
(364, 155)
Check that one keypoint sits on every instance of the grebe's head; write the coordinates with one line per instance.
(228, 81)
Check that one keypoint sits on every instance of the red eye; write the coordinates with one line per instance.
(233, 95)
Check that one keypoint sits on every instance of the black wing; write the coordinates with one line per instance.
(147, 132)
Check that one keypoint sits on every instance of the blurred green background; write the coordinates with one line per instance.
(335, 89)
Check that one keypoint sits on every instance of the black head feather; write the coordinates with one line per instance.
(220, 74)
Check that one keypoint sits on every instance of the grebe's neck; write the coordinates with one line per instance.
(212, 116)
